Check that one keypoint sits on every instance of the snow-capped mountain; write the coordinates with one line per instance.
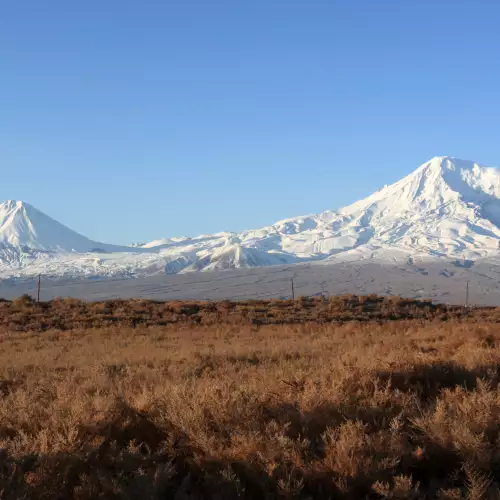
(24, 227)
(447, 208)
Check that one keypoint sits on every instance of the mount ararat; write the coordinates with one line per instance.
(446, 209)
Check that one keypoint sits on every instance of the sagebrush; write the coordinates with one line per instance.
(384, 409)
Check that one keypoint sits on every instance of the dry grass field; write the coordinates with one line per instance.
(347, 398)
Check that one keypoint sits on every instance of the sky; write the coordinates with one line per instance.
(134, 120)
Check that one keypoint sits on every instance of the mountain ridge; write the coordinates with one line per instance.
(446, 208)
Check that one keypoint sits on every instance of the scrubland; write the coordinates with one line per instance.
(341, 398)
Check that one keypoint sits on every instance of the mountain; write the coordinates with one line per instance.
(24, 227)
(447, 208)
(236, 256)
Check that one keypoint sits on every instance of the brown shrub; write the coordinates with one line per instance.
(401, 409)
(24, 314)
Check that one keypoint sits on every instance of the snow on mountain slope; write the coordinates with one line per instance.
(447, 208)
(235, 256)
(24, 227)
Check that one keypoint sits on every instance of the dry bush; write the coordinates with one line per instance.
(24, 314)
(399, 409)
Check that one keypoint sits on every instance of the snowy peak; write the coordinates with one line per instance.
(22, 225)
(466, 178)
(447, 207)
(435, 184)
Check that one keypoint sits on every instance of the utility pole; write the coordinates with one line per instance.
(293, 289)
(467, 294)
(39, 284)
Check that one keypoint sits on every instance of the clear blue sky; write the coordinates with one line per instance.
(134, 120)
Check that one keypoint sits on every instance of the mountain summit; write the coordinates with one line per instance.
(445, 208)
(23, 226)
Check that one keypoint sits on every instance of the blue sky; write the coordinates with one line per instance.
(134, 120)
